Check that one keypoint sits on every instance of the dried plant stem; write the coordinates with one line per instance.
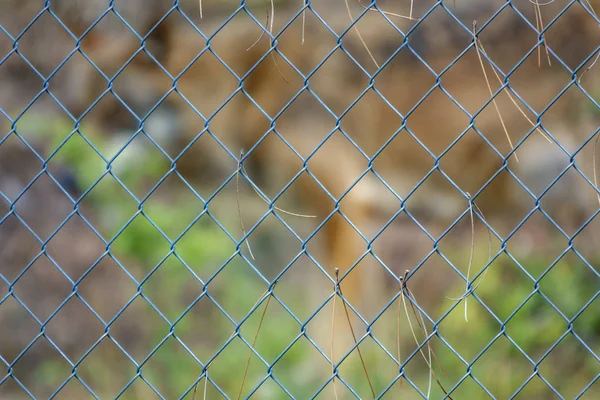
(239, 207)
(398, 337)
(539, 22)
(200, 5)
(262, 317)
(277, 208)
(412, 330)
(205, 383)
(359, 35)
(354, 337)
(472, 252)
(335, 289)
(303, 19)
(512, 98)
(421, 322)
(490, 89)
(262, 33)
(474, 287)
(391, 14)
(594, 165)
(269, 26)
(597, 55)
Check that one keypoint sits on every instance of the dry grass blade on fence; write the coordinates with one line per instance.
(472, 251)
(275, 207)
(303, 19)
(421, 322)
(594, 165)
(539, 24)
(505, 90)
(205, 383)
(475, 286)
(262, 32)
(262, 317)
(597, 55)
(391, 14)
(237, 189)
(359, 35)
(398, 327)
(353, 334)
(490, 89)
(335, 291)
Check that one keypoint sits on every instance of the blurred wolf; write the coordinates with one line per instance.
(428, 132)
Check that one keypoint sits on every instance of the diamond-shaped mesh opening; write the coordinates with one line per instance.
(140, 166)
(585, 323)
(505, 273)
(569, 219)
(205, 247)
(16, 179)
(536, 326)
(17, 97)
(296, 297)
(412, 80)
(310, 369)
(373, 110)
(502, 380)
(135, 339)
(172, 272)
(505, 203)
(43, 287)
(569, 378)
(423, 202)
(140, 387)
(439, 38)
(536, 387)
(107, 273)
(32, 49)
(75, 389)
(46, 134)
(582, 243)
(204, 163)
(204, 341)
(169, 381)
(21, 329)
(74, 329)
(26, 13)
(94, 372)
(140, 241)
(466, 337)
(49, 368)
(237, 272)
(272, 343)
(231, 363)
(537, 232)
(75, 262)
(328, 80)
(172, 191)
(570, 271)
(381, 368)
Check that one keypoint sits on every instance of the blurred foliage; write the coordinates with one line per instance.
(492, 348)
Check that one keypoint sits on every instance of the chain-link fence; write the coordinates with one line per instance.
(299, 199)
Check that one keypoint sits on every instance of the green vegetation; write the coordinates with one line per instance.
(194, 323)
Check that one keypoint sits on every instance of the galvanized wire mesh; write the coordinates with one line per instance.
(418, 160)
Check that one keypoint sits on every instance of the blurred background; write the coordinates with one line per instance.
(123, 202)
